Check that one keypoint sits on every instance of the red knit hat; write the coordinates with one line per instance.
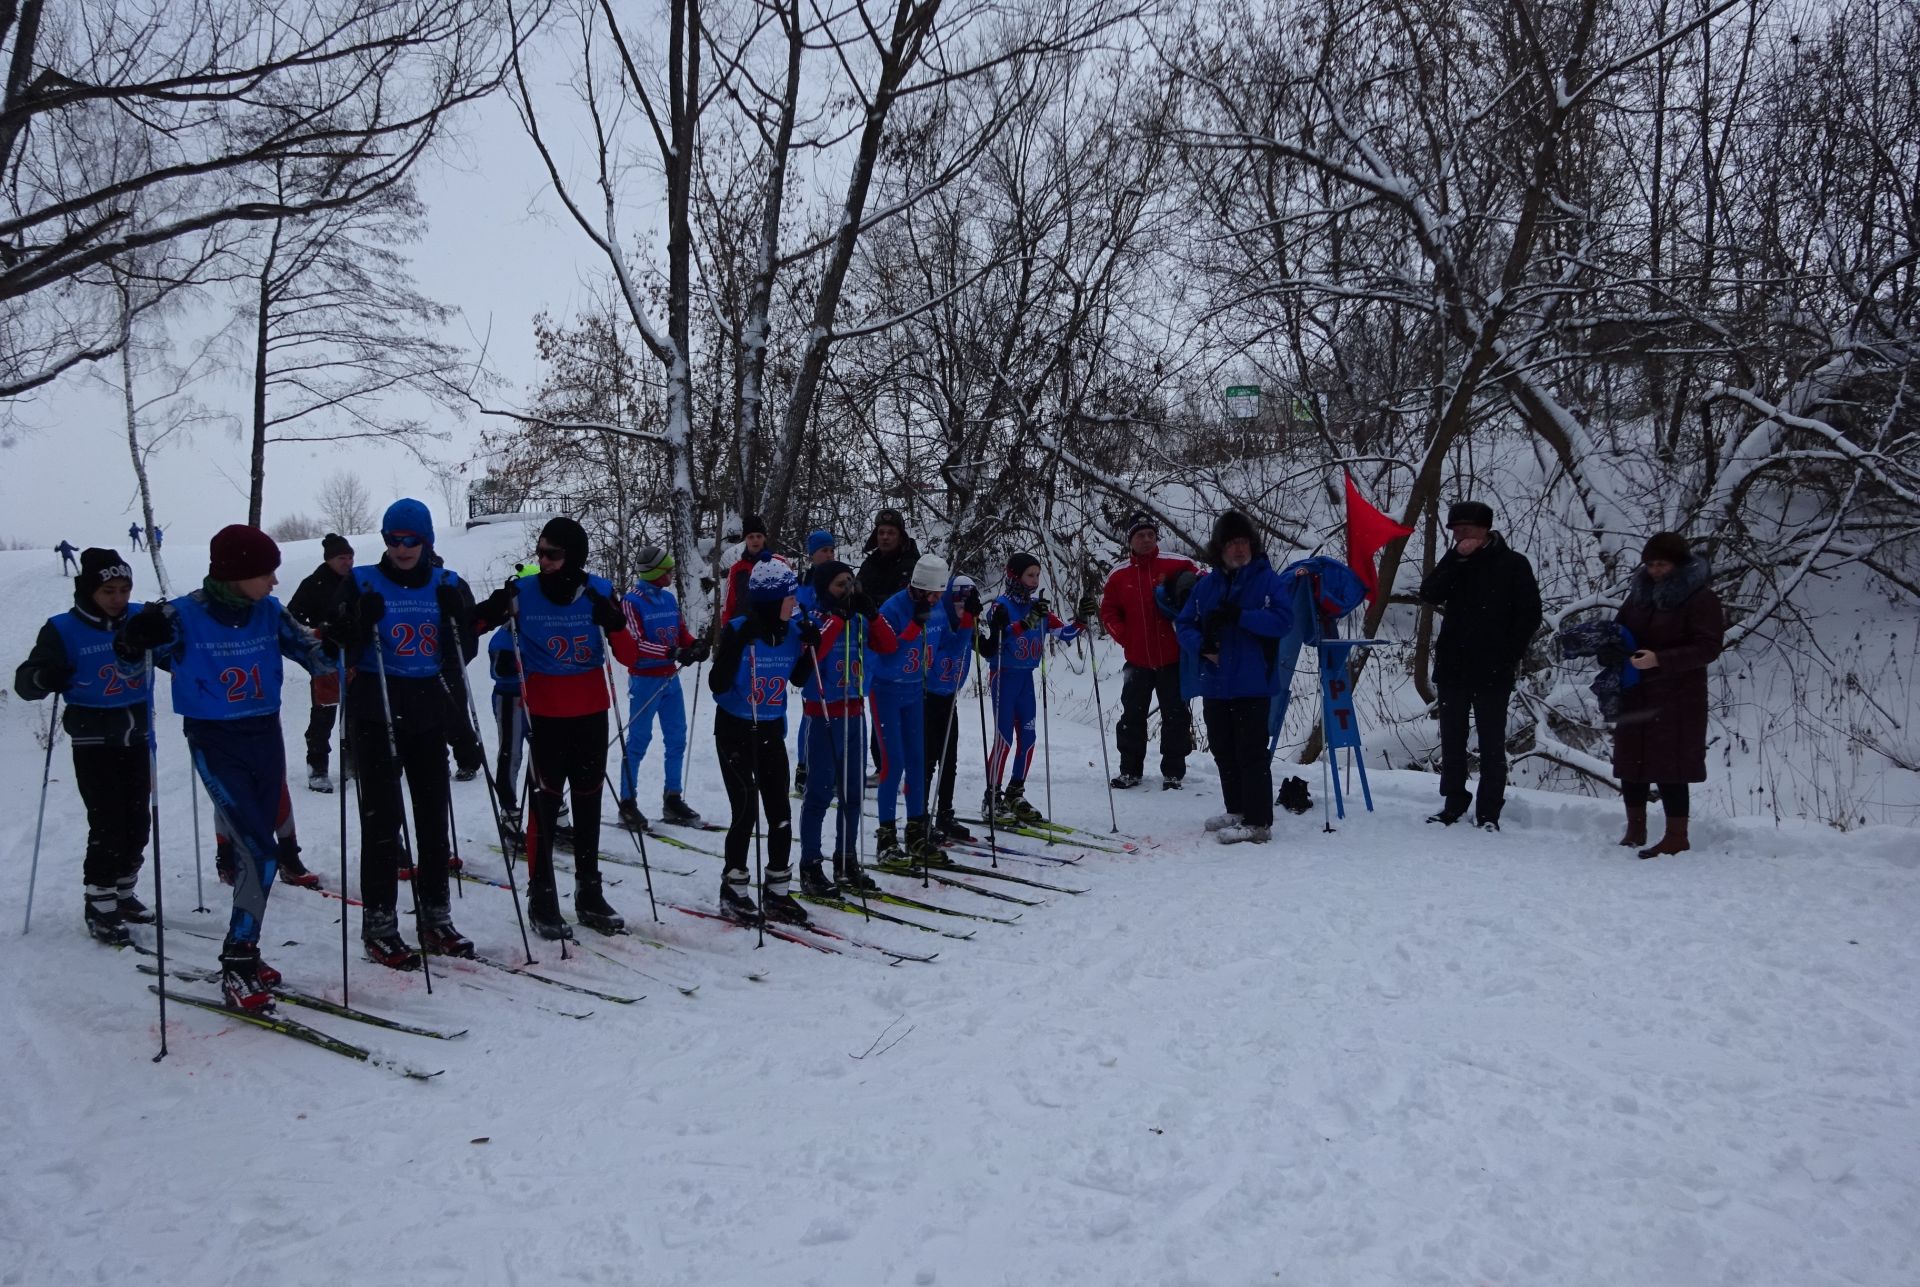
(238, 553)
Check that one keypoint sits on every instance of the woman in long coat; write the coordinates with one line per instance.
(1661, 737)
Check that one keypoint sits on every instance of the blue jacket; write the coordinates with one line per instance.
(1249, 646)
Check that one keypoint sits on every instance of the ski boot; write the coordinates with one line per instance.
(132, 910)
(674, 808)
(777, 903)
(852, 877)
(921, 849)
(511, 821)
(543, 911)
(886, 845)
(317, 780)
(242, 978)
(294, 872)
(814, 880)
(591, 909)
(630, 817)
(1014, 801)
(380, 936)
(1221, 821)
(949, 828)
(103, 918)
(1243, 833)
(736, 897)
(438, 937)
(466, 773)
(799, 781)
(1175, 783)
(1123, 780)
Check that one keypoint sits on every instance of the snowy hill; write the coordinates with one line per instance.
(1392, 1054)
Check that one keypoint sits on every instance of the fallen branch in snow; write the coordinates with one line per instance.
(883, 1037)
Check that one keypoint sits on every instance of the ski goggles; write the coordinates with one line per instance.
(405, 540)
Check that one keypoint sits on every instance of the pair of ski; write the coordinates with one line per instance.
(1060, 833)
(809, 935)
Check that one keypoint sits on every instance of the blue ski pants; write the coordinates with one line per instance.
(649, 696)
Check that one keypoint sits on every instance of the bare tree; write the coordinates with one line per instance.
(297, 527)
(345, 505)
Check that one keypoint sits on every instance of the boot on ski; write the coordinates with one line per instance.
(1019, 811)
(921, 848)
(949, 828)
(800, 781)
(852, 877)
(512, 824)
(675, 809)
(294, 872)
(132, 910)
(380, 936)
(886, 845)
(630, 816)
(438, 937)
(814, 880)
(591, 909)
(244, 981)
(543, 911)
(736, 897)
(103, 917)
(777, 901)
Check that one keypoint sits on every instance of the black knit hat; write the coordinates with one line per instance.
(1473, 513)
(1019, 561)
(753, 523)
(1232, 526)
(333, 545)
(569, 536)
(1139, 520)
(97, 567)
(1668, 547)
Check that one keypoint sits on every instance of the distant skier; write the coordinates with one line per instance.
(950, 656)
(133, 534)
(224, 645)
(653, 688)
(66, 551)
(106, 720)
(158, 536)
(1018, 625)
(820, 550)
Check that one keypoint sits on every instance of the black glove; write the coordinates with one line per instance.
(693, 653)
(146, 630)
(367, 611)
(859, 603)
(808, 631)
(972, 602)
(498, 606)
(1087, 609)
(1036, 617)
(922, 609)
(449, 600)
(1216, 621)
(606, 613)
(54, 677)
(997, 617)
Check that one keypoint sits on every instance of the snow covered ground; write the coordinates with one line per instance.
(1395, 1054)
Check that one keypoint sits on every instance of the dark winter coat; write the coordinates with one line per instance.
(1662, 733)
(1490, 609)
(313, 598)
(884, 575)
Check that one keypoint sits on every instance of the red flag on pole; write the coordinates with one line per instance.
(1367, 530)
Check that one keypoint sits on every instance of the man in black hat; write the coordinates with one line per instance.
(1490, 608)
(890, 556)
(310, 606)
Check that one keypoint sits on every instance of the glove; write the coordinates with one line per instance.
(498, 606)
(1036, 618)
(809, 632)
(1086, 610)
(54, 677)
(859, 603)
(606, 613)
(449, 600)
(367, 611)
(972, 602)
(693, 653)
(1216, 622)
(997, 617)
(147, 630)
(922, 609)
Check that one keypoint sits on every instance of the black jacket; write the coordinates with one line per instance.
(884, 575)
(86, 725)
(1490, 609)
(313, 599)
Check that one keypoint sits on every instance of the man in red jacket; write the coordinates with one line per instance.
(1130, 614)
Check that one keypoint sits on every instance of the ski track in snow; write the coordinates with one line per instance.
(1396, 1054)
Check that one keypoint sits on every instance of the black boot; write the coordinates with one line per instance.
(380, 935)
(243, 980)
(948, 827)
(736, 897)
(777, 901)
(674, 808)
(292, 871)
(590, 907)
(920, 846)
(630, 816)
(815, 881)
(543, 911)
(887, 846)
(132, 910)
(851, 876)
(438, 937)
(103, 917)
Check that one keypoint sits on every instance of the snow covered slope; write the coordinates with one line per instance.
(1393, 1054)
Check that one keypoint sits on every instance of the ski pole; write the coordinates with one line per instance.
(851, 773)
(493, 795)
(159, 898)
(193, 794)
(1100, 712)
(406, 833)
(986, 764)
(537, 786)
(639, 843)
(1046, 730)
(40, 819)
(340, 663)
(753, 786)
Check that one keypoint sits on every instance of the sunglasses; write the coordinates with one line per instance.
(548, 552)
(405, 540)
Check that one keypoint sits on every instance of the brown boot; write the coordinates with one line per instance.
(1636, 826)
(1674, 842)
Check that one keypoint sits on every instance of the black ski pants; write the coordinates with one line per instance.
(420, 743)
(468, 753)
(943, 745)
(1486, 703)
(1676, 798)
(510, 722)
(1237, 736)
(1139, 685)
(569, 757)
(320, 737)
(753, 765)
(113, 785)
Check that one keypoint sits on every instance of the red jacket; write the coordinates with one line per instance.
(1130, 615)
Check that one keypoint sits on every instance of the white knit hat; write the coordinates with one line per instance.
(930, 574)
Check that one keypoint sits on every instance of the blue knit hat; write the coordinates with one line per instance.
(409, 515)
(771, 582)
(820, 539)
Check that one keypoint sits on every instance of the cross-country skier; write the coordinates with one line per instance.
(753, 663)
(834, 677)
(1018, 625)
(133, 534)
(565, 620)
(820, 549)
(310, 605)
(66, 550)
(950, 651)
(899, 712)
(398, 618)
(653, 687)
(223, 644)
(106, 720)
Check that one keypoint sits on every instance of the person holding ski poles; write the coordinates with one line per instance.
(833, 675)
(1232, 622)
(224, 644)
(950, 629)
(653, 688)
(820, 550)
(397, 618)
(753, 663)
(1018, 626)
(899, 714)
(563, 621)
(133, 534)
(1130, 611)
(66, 550)
(106, 720)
